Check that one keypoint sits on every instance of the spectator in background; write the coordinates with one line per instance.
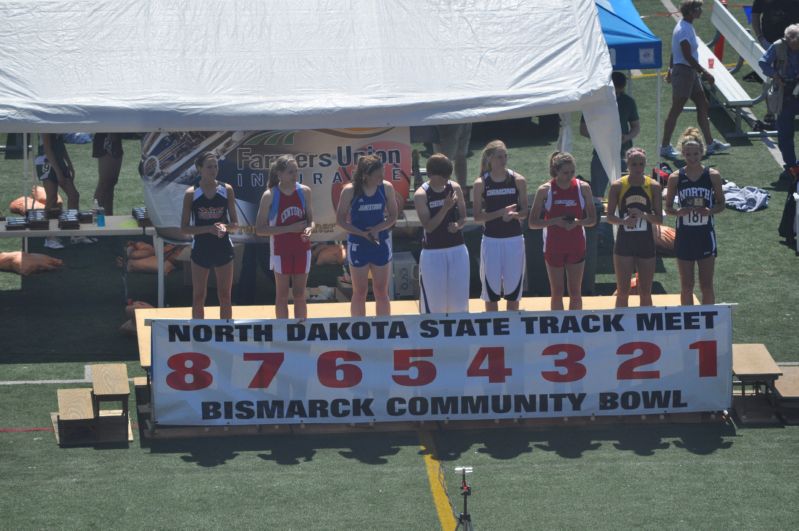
(781, 62)
(684, 75)
(57, 171)
(769, 20)
(630, 127)
(454, 143)
(107, 149)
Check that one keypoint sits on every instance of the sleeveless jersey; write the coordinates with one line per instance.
(695, 193)
(368, 211)
(206, 212)
(639, 240)
(560, 203)
(289, 209)
(441, 238)
(497, 196)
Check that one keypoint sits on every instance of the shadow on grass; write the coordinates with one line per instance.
(452, 445)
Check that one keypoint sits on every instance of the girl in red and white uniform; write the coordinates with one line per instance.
(562, 207)
(286, 215)
(500, 200)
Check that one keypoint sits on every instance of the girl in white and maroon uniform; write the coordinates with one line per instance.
(285, 214)
(444, 262)
(500, 201)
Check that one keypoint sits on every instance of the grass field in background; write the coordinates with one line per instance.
(600, 477)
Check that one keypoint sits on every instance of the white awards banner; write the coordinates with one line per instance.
(442, 367)
(326, 158)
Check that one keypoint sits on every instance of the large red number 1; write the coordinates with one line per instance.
(574, 369)
(328, 369)
(270, 363)
(494, 359)
(188, 364)
(708, 358)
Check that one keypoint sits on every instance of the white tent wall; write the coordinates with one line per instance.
(149, 65)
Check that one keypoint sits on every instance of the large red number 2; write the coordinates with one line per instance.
(188, 364)
(707, 358)
(328, 369)
(574, 369)
(270, 363)
(650, 353)
(494, 359)
(425, 370)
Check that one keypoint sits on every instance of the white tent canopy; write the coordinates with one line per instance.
(192, 65)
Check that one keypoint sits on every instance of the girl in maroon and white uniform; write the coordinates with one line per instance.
(562, 207)
(286, 215)
(500, 200)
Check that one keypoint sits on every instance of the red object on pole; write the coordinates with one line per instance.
(718, 49)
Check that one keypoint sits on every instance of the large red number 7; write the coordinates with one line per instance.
(270, 363)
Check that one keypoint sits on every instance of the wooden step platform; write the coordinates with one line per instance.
(752, 365)
(80, 419)
(787, 386)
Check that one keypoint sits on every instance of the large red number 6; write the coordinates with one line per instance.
(188, 364)
(650, 353)
(425, 370)
(270, 363)
(328, 369)
(574, 369)
(494, 359)
(707, 358)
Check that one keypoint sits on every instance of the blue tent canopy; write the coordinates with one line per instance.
(632, 45)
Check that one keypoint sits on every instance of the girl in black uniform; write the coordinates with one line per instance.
(639, 202)
(698, 190)
(444, 263)
(209, 213)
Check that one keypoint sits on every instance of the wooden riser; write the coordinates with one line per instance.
(109, 427)
(787, 387)
(755, 410)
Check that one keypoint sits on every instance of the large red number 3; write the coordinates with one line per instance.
(270, 363)
(188, 364)
(329, 370)
(425, 370)
(650, 353)
(574, 369)
(494, 359)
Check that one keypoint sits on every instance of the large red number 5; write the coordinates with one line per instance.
(494, 359)
(650, 353)
(188, 364)
(328, 369)
(425, 370)
(574, 369)
(707, 358)
(270, 363)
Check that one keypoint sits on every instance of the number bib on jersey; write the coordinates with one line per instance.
(641, 225)
(694, 219)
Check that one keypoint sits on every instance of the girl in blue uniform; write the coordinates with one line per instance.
(209, 212)
(699, 193)
(367, 210)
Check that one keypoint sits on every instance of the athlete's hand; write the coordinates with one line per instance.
(450, 201)
(707, 76)
(453, 227)
(510, 213)
(220, 229)
(306, 234)
(702, 211)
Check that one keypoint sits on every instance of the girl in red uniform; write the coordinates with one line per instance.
(562, 207)
(285, 214)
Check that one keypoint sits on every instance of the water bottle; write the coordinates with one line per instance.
(99, 214)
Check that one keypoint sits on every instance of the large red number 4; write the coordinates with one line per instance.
(328, 369)
(188, 364)
(494, 360)
(650, 353)
(425, 370)
(270, 363)
(574, 369)
(707, 358)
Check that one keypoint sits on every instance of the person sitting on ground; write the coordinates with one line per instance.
(685, 75)
(639, 202)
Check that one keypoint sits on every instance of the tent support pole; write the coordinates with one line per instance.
(658, 137)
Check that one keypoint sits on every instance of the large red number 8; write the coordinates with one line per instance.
(189, 364)
(328, 369)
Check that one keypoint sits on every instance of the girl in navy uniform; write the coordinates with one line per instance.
(285, 214)
(699, 194)
(209, 213)
(639, 202)
(500, 203)
(444, 262)
(367, 210)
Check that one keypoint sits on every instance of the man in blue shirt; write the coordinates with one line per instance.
(781, 63)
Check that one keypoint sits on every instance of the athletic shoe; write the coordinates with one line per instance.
(75, 240)
(717, 147)
(668, 152)
(53, 243)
